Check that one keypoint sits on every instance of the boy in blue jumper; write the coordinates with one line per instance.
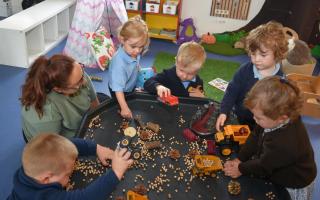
(48, 160)
(182, 79)
(267, 46)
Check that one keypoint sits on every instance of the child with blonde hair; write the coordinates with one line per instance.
(279, 149)
(182, 79)
(124, 66)
(48, 161)
(267, 46)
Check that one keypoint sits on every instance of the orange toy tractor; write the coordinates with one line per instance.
(131, 195)
(206, 165)
(232, 135)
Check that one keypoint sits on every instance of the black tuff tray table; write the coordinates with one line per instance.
(177, 184)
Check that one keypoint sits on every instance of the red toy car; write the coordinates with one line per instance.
(170, 100)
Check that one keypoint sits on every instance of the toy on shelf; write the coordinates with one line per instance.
(208, 38)
(232, 135)
(206, 165)
(170, 100)
(188, 32)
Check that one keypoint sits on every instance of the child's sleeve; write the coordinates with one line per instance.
(85, 147)
(232, 92)
(100, 189)
(275, 155)
(249, 148)
(159, 79)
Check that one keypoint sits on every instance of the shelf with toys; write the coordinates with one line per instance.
(161, 16)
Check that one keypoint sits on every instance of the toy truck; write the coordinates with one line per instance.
(170, 100)
(232, 135)
(206, 165)
(131, 195)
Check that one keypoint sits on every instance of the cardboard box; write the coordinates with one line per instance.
(152, 7)
(132, 4)
(305, 69)
(310, 87)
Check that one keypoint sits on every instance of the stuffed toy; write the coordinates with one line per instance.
(188, 32)
(144, 74)
(299, 59)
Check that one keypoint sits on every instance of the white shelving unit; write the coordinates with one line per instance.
(34, 31)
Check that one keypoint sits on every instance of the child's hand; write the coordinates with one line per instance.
(196, 92)
(104, 154)
(220, 121)
(126, 113)
(163, 91)
(231, 168)
(121, 162)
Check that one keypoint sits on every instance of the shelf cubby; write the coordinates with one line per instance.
(34, 31)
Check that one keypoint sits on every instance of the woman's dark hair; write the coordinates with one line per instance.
(43, 76)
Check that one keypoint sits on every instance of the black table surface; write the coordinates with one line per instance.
(102, 125)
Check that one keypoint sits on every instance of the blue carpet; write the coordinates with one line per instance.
(11, 79)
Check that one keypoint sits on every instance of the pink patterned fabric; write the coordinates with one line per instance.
(88, 17)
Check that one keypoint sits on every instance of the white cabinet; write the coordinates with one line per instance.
(34, 31)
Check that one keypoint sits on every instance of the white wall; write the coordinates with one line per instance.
(199, 10)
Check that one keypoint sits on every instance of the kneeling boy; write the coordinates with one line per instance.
(48, 160)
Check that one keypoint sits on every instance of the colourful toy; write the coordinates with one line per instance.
(188, 32)
(206, 165)
(200, 123)
(144, 74)
(211, 147)
(131, 195)
(169, 100)
(189, 135)
(232, 135)
(208, 38)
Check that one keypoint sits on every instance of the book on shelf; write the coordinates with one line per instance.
(155, 31)
(168, 32)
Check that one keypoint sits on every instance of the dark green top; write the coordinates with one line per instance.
(61, 114)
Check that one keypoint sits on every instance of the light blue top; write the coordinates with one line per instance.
(123, 71)
(186, 83)
(257, 74)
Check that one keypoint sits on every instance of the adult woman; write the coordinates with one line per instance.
(56, 94)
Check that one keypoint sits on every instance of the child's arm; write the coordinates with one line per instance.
(163, 91)
(121, 162)
(104, 154)
(124, 108)
(152, 83)
(230, 97)
(102, 187)
(90, 148)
